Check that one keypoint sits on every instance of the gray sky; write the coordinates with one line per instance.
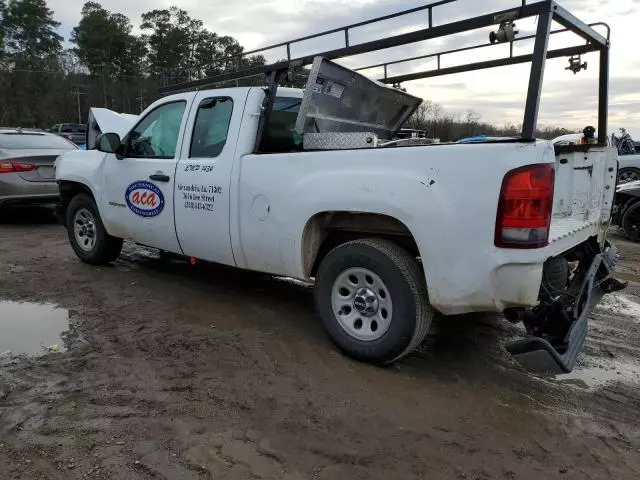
(498, 94)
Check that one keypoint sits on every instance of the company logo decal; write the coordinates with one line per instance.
(144, 199)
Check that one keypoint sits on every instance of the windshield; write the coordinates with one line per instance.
(20, 141)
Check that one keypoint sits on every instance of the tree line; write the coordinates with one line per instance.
(42, 83)
(438, 123)
(108, 65)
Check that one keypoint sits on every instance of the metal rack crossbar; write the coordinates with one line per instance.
(546, 12)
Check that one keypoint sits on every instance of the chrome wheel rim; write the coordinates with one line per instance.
(362, 304)
(84, 229)
(628, 176)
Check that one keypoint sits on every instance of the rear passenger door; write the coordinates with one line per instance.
(203, 175)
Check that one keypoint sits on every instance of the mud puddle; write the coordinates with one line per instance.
(31, 328)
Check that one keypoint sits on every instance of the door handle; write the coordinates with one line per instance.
(160, 177)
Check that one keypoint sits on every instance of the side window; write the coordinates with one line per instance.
(156, 136)
(66, 129)
(211, 127)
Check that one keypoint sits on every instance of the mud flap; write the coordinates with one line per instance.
(538, 354)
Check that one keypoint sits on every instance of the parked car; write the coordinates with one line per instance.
(74, 132)
(626, 209)
(27, 166)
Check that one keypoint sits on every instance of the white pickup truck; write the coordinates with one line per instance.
(390, 235)
(310, 184)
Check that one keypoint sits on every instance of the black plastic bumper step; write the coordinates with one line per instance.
(538, 355)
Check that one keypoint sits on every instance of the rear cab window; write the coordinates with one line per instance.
(280, 134)
(74, 128)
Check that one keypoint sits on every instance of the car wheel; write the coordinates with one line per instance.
(372, 299)
(87, 235)
(631, 222)
(626, 175)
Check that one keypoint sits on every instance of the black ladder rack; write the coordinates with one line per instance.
(546, 12)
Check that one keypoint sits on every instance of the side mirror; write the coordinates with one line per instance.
(108, 142)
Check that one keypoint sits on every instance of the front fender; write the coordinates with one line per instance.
(83, 167)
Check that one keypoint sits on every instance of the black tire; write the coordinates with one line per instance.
(106, 248)
(628, 174)
(412, 314)
(631, 222)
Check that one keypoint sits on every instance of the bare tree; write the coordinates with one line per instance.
(472, 118)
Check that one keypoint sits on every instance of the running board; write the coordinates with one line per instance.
(539, 355)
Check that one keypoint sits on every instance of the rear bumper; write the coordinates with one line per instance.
(505, 278)
(16, 191)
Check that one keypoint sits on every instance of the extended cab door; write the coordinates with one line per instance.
(139, 188)
(203, 175)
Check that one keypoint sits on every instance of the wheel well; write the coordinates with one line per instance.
(325, 231)
(68, 190)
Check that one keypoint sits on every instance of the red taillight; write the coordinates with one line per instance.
(524, 209)
(12, 167)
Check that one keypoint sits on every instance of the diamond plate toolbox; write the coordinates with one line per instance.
(339, 140)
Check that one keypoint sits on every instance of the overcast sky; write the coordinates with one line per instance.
(498, 94)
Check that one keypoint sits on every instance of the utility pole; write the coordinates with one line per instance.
(77, 93)
(104, 86)
(140, 100)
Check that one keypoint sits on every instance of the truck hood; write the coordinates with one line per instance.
(103, 120)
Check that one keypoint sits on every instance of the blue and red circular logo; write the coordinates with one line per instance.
(144, 199)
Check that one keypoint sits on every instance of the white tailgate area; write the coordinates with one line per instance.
(584, 189)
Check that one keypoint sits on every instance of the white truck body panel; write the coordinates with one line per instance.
(446, 196)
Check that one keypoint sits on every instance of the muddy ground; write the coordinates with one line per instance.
(182, 372)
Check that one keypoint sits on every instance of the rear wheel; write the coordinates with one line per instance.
(626, 175)
(87, 235)
(631, 222)
(372, 300)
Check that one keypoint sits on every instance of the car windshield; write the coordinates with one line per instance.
(18, 141)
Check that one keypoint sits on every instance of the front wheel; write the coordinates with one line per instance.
(87, 235)
(372, 299)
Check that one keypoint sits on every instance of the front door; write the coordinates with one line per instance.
(203, 176)
(139, 188)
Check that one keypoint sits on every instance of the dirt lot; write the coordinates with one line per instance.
(182, 372)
